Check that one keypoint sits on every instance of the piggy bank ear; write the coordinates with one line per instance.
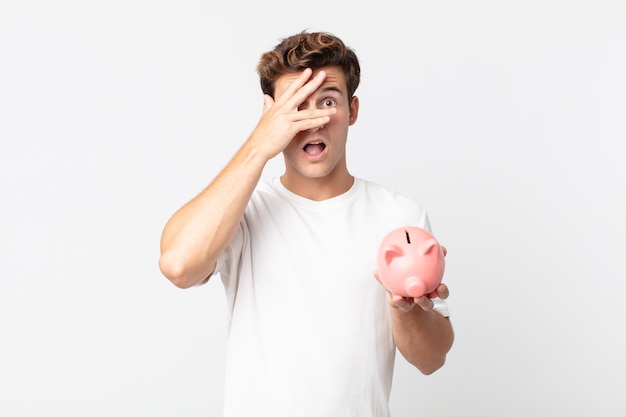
(391, 252)
(427, 246)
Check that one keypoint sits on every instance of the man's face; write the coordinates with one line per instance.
(320, 153)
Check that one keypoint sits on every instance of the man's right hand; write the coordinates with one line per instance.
(282, 120)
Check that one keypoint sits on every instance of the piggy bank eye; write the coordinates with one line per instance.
(408, 238)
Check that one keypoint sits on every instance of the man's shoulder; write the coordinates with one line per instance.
(390, 208)
(377, 190)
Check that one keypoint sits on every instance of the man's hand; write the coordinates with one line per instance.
(425, 302)
(282, 120)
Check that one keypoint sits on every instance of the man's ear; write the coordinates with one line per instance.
(354, 110)
(268, 101)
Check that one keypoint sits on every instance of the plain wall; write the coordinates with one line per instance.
(504, 119)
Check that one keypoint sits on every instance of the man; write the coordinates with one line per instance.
(311, 332)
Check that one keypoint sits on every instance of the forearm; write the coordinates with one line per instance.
(198, 232)
(423, 337)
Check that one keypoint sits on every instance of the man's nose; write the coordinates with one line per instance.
(315, 129)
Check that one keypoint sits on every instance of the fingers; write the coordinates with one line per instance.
(442, 291)
(301, 88)
(284, 107)
(312, 119)
(281, 120)
(403, 304)
(426, 303)
(294, 87)
(306, 85)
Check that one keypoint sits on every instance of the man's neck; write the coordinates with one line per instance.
(318, 189)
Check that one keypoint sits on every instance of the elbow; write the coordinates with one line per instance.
(435, 359)
(175, 272)
(430, 367)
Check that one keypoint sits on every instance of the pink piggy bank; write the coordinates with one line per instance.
(410, 262)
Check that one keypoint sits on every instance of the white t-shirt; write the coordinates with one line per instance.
(309, 325)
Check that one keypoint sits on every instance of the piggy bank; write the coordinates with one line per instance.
(410, 262)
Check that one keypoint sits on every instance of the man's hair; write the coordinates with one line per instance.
(308, 50)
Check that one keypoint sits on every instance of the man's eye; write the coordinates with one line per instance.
(328, 102)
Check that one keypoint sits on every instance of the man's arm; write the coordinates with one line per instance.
(422, 335)
(198, 232)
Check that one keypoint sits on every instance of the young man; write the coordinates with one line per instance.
(311, 332)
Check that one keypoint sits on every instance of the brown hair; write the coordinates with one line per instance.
(308, 50)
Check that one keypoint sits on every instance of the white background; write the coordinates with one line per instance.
(505, 119)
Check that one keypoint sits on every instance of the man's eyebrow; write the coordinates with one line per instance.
(330, 88)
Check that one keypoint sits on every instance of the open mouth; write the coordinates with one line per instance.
(314, 148)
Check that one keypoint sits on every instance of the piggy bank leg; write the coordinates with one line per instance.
(414, 287)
